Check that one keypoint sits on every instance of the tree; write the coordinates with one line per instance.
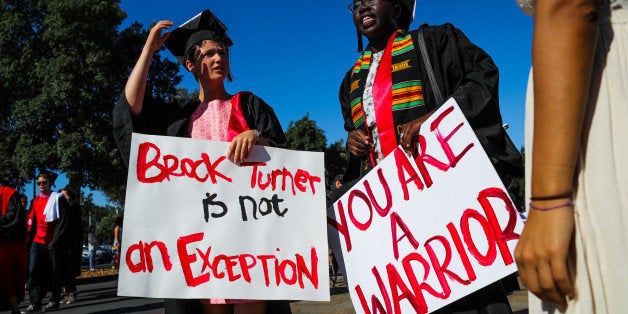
(104, 231)
(184, 93)
(103, 217)
(305, 135)
(336, 161)
(19, 22)
(60, 75)
(163, 77)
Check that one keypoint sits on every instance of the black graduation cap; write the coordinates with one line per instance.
(204, 25)
(408, 8)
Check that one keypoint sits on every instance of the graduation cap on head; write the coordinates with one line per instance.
(204, 25)
(408, 7)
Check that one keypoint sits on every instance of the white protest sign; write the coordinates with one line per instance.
(197, 225)
(416, 235)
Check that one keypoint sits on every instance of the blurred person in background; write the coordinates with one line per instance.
(12, 249)
(67, 243)
(117, 243)
(92, 243)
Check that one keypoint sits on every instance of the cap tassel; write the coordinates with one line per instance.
(360, 45)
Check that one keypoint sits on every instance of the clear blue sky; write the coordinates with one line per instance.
(293, 54)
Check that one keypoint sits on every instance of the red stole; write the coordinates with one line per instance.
(5, 196)
(237, 121)
(382, 98)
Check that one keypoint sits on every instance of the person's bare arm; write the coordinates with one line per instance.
(565, 35)
(136, 84)
(116, 236)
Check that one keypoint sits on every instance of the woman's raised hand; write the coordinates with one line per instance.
(155, 38)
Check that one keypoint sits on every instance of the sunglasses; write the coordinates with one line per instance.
(42, 182)
(356, 5)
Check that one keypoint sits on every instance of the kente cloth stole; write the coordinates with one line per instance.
(397, 87)
(237, 121)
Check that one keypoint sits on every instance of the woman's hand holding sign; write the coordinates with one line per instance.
(241, 145)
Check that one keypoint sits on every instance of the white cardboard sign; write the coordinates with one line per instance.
(418, 234)
(197, 225)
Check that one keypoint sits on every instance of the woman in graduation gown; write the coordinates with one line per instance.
(202, 47)
(243, 119)
(388, 94)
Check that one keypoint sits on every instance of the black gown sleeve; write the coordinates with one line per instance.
(355, 168)
(468, 74)
(260, 116)
(345, 101)
(13, 222)
(157, 118)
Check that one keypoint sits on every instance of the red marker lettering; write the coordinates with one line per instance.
(483, 259)
(395, 220)
(187, 259)
(444, 140)
(172, 167)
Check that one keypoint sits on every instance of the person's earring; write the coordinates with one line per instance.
(189, 66)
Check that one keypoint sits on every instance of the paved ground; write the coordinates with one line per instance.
(99, 295)
(340, 302)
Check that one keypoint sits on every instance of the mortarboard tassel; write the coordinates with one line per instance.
(360, 45)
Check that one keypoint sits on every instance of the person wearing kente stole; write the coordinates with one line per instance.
(396, 84)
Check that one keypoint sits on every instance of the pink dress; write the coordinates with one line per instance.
(210, 122)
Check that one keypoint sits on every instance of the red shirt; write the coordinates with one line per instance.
(45, 230)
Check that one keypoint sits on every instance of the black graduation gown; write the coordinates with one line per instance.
(468, 74)
(68, 237)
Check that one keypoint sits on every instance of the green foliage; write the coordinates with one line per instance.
(103, 217)
(19, 21)
(62, 67)
(184, 94)
(104, 230)
(336, 160)
(306, 135)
